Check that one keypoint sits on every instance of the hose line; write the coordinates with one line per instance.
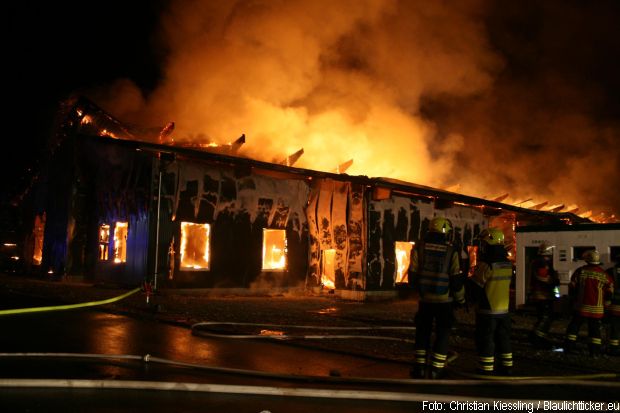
(67, 306)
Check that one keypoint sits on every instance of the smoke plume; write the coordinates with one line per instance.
(415, 90)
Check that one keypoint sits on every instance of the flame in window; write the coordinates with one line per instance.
(328, 268)
(104, 241)
(274, 249)
(120, 242)
(195, 246)
(403, 260)
(38, 232)
(472, 251)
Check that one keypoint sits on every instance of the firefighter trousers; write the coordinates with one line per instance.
(493, 337)
(594, 332)
(544, 315)
(443, 316)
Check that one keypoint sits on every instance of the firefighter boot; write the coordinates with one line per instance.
(614, 351)
(595, 350)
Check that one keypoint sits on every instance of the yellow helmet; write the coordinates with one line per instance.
(592, 257)
(492, 236)
(545, 249)
(441, 225)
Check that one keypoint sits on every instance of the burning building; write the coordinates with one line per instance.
(116, 207)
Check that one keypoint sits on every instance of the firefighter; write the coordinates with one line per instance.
(438, 278)
(544, 284)
(588, 288)
(490, 286)
(612, 310)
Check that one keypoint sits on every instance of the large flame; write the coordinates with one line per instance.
(412, 90)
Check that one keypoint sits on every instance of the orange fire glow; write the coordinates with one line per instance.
(195, 246)
(38, 232)
(274, 249)
(328, 274)
(403, 255)
(104, 240)
(120, 242)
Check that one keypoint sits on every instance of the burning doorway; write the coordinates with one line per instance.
(403, 260)
(328, 268)
(195, 246)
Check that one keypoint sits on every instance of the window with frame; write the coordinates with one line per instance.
(38, 233)
(104, 241)
(580, 250)
(195, 246)
(274, 249)
(120, 242)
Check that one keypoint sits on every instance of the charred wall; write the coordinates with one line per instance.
(336, 223)
(238, 205)
(402, 218)
(113, 184)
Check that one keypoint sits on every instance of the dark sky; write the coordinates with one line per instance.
(57, 48)
(560, 61)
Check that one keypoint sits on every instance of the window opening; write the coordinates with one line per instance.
(104, 241)
(195, 246)
(403, 260)
(38, 234)
(578, 251)
(274, 249)
(328, 268)
(120, 242)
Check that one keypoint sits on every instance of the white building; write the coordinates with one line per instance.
(570, 242)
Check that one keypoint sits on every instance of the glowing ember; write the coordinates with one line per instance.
(403, 255)
(105, 132)
(120, 242)
(271, 333)
(274, 249)
(195, 246)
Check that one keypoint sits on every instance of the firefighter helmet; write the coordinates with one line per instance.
(545, 249)
(441, 225)
(492, 236)
(592, 257)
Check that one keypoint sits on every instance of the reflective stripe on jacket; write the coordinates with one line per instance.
(495, 280)
(588, 287)
(435, 266)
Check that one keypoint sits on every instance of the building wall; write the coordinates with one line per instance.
(564, 259)
(402, 218)
(336, 221)
(238, 204)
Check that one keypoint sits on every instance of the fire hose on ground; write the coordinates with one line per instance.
(196, 331)
(64, 307)
(357, 394)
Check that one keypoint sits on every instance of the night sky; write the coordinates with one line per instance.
(554, 63)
